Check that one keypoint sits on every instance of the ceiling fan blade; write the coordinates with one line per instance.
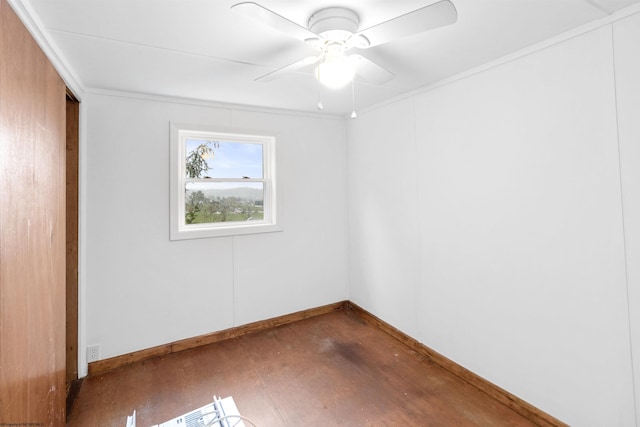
(273, 20)
(309, 60)
(424, 19)
(369, 70)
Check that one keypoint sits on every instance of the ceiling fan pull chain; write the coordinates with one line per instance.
(319, 106)
(353, 99)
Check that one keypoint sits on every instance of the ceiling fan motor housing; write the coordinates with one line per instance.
(334, 23)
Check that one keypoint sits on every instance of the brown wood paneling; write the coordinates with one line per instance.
(72, 149)
(32, 230)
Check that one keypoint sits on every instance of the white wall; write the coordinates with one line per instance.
(626, 37)
(493, 205)
(383, 214)
(142, 290)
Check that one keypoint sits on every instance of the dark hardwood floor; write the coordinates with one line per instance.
(330, 370)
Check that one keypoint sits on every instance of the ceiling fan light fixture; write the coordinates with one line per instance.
(335, 70)
(335, 74)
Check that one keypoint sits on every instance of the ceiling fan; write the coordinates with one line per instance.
(334, 31)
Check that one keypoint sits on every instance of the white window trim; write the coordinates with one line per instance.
(178, 229)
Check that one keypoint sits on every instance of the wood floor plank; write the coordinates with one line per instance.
(330, 370)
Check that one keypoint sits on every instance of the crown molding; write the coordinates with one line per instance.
(209, 103)
(25, 12)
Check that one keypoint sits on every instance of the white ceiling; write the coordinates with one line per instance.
(200, 49)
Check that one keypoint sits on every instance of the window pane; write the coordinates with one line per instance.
(209, 202)
(223, 159)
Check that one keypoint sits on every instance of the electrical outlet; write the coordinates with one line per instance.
(93, 353)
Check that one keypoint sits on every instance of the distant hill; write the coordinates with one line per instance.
(245, 193)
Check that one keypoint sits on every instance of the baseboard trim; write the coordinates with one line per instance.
(525, 409)
(105, 365)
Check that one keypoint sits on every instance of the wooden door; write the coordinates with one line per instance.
(32, 230)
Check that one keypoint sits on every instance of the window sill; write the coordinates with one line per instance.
(229, 230)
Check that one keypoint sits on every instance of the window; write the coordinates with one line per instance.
(222, 183)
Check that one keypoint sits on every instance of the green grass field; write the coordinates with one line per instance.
(204, 217)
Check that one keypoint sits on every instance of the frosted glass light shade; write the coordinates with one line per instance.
(335, 71)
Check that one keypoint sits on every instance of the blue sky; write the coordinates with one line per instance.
(232, 159)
